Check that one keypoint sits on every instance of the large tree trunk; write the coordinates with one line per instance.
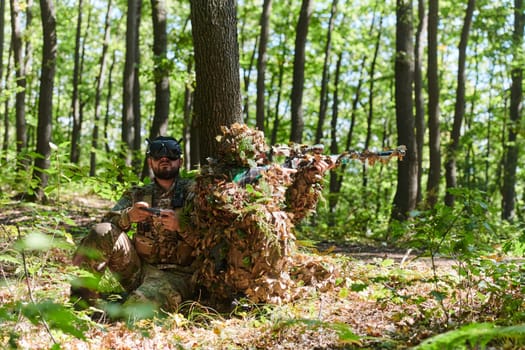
(323, 98)
(406, 191)
(459, 110)
(260, 120)
(130, 80)
(296, 134)
(217, 93)
(434, 175)
(45, 101)
(516, 97)
(98, 93)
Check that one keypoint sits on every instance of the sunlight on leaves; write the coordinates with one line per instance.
(34, 241)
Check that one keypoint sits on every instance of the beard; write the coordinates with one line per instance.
(166, 173)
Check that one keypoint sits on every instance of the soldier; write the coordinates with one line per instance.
(155, 265)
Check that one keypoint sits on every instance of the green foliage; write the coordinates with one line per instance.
(113, 178)
(476, 336)
(56, 315)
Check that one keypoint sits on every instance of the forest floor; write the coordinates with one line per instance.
(387, 298)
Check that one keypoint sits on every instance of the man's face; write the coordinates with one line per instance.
(164, 168)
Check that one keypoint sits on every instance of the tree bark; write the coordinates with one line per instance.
(296, 134)
(260, 120)
(217, 93)
(98, 93)
(323, 98)
(162, 69)
(459, 110)
(75, 98)
(419, 99)
(45, 101)
(434, 175)
(18, 54)
(516, 99)
(371, 96)
(406, 191)
(130, 79)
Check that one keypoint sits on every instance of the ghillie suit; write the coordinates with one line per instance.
(243, 214)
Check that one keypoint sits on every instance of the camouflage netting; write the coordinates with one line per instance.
(246, 239)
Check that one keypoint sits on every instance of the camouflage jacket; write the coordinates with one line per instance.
(154, 244)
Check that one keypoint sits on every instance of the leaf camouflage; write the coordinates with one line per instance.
(247, 243)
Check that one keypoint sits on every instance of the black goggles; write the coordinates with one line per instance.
(164, 148)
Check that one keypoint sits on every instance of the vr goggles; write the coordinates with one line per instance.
(164, 147)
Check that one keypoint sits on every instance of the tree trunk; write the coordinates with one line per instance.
(162, 69)
(159, 125)
(128, 104)
(296, 134)
(5, 136)
(419, 99)
(217, 93)
(107, 114)
(459, 110)
(434, 175)
(75, 99)
(261, 64)
(516, 97)
(137, 120)
(323, 98)
(98, 93)
(20, 103)
(336, 179)
(276, 117)
(406, 191)
(371, 97)
(45, 101)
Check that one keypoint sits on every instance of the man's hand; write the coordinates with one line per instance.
(137, 212)
(169, 219)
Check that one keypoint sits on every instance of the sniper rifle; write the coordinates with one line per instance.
(299, 155)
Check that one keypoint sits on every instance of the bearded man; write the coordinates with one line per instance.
(141, 242)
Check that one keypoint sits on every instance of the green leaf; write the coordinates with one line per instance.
(34, 241)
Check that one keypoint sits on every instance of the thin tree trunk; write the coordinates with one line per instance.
(276, 118)
(45, 101)
(371, 97)
(75, 98)
(335, 177)
(260, 121)
(516, 99)
(434, 175)
(159, 125)
(419, 99)
(296, 134)
(406, 191)
(98, 93)
(20, 78)
(459, 111)
(323, 100)
(107, 114)
(137, 120)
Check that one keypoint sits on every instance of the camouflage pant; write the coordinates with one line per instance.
(106, 246)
